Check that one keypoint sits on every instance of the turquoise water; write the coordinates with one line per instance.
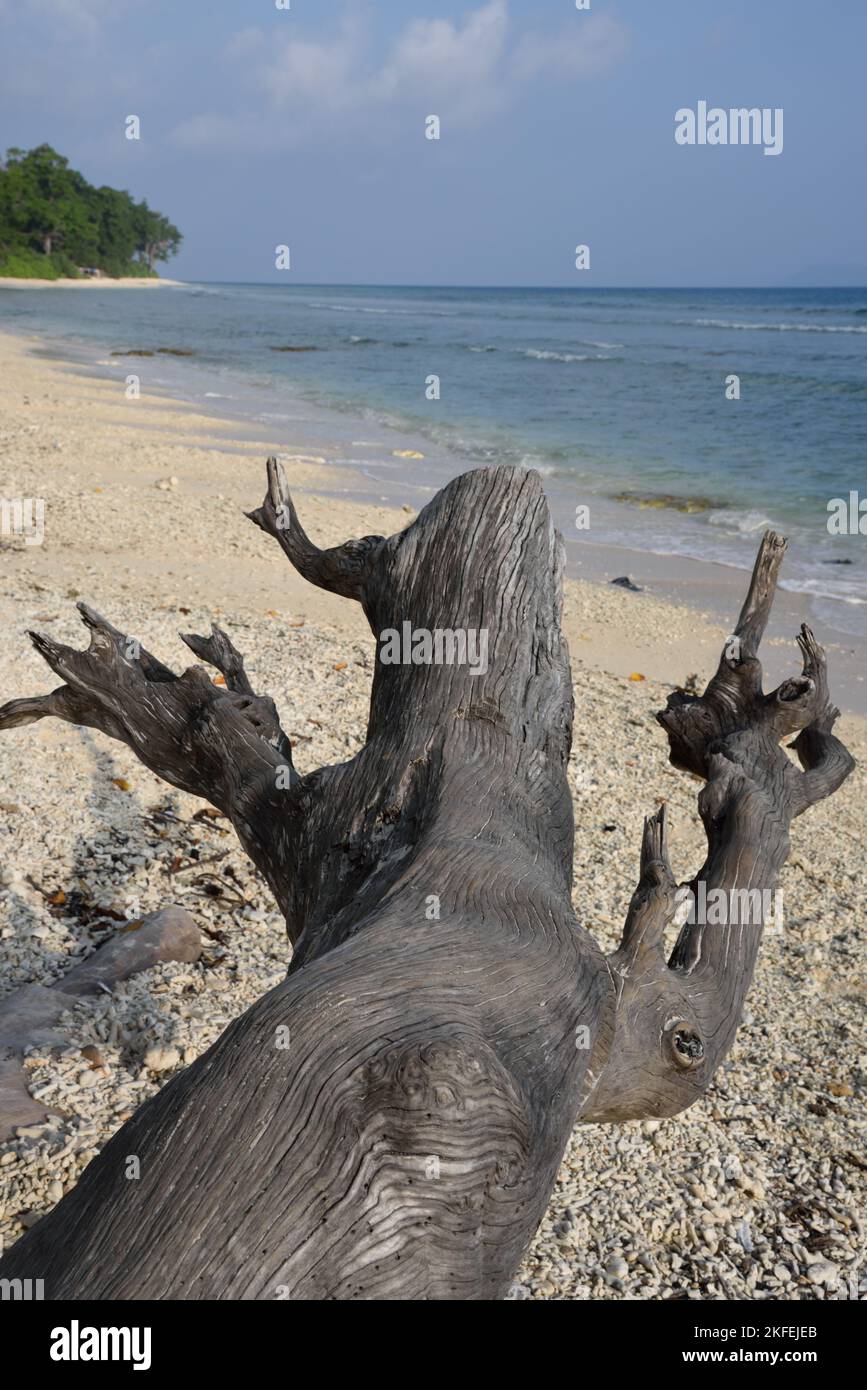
(617, 396)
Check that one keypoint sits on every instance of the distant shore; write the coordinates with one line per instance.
(94, 282)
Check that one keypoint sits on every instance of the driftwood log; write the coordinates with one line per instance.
(388, 1122)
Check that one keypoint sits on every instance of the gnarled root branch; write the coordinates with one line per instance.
(675, 1022)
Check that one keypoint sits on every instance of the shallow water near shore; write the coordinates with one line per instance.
(617, 397)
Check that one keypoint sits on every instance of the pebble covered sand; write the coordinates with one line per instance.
(756, 1192)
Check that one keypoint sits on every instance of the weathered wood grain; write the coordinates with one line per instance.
(388, 1122)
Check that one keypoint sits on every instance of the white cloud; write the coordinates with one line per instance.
(245, 43)
(326, 74)
(589, 45)
(463, 70)
(235, 133)
(88, 16)
(442, 60)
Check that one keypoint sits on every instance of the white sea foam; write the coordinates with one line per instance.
(368, 309)
(773, 327)
(743, 522)
(541, 355)
(533, 461)
(549, 355)
(841, 591)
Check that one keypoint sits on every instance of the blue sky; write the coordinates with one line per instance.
(305, 126)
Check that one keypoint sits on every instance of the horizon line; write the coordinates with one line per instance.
(443, 285)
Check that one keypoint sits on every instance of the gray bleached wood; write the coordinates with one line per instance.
(388, 1121)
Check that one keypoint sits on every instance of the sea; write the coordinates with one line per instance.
(624, 400)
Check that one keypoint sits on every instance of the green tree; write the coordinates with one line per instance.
(114, 212)
(45, 203)
(52, 219)
(157, 237)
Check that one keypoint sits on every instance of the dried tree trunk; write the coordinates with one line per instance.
(405, 1143)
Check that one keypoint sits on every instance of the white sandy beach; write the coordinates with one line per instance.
(97, 282)
(756, 1192)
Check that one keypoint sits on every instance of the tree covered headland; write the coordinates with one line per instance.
(54, 223)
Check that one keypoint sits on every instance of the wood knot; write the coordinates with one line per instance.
(484, 710)
(684, 1044)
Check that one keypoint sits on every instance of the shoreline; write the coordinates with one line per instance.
(674, 497)
(673, 628)
(123, 282)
